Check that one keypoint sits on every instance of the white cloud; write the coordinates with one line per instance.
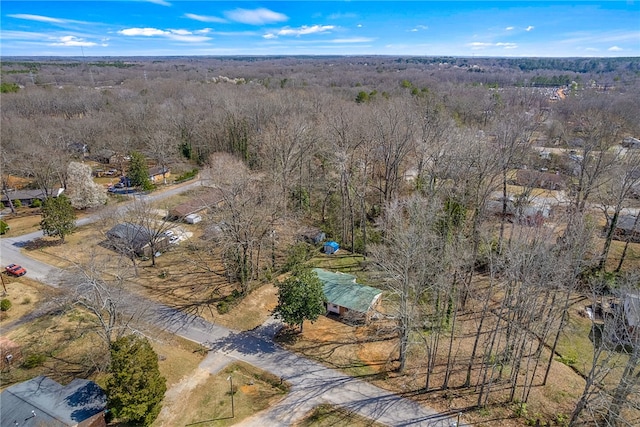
(510, 28)
(529, 28)
(178, 35)
(507, 45)
(160, 2)
(359, 25)
(47, 19)
(479, 45)
(147, 32)
(615, 49)
(203, 18)
(304, 30)
(73, 41)
(255, 17)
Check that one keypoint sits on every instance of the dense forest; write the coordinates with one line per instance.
(487, 194)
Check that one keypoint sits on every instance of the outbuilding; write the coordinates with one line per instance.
(331, 247)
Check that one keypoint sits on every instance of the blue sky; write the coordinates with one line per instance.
(425, 28)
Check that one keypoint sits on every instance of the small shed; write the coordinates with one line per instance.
(41, 401)
(312, 235)
(347, 298)
(331, 247)
(192, 218)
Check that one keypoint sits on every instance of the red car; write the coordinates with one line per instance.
(15, 270)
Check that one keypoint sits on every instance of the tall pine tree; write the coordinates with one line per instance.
(139, 171)
(135, 389)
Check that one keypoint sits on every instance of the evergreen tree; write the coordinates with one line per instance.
(300, 297)
(135, 389)
(139, 171)
(58, 217)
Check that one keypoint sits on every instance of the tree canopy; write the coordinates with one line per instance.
(139, 171)
(58, 217)
(300, 297)
(135, 389)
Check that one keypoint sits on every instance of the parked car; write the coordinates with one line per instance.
(15, 270)
(174, 240)
(168, 233)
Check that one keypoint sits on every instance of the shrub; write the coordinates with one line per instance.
(223, 307)
(34, 360)
(36, 203)
(8, 87)
(187, 175)
(5, 305)
(17, 204)
(4, 227)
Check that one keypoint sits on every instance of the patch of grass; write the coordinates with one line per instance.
(209, 403)
(329, 415)
(568, 360)
(343, 261)
(178, 357)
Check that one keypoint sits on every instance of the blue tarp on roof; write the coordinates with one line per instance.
(331, 247)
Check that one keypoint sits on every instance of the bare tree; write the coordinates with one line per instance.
(97, 287)
(405, 260)
(249, 216)
(614, 194)
(612, 387)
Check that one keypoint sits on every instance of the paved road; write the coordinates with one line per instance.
(311, 383)
(10, 247)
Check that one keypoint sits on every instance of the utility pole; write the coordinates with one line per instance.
(230, 379)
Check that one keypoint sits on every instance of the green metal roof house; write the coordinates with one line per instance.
(345, 297)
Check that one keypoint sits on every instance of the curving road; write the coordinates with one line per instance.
(312, 384)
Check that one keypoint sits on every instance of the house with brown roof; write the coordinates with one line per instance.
(210, 199)
(536, 179)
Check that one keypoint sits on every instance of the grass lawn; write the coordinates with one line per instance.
(209, 402)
